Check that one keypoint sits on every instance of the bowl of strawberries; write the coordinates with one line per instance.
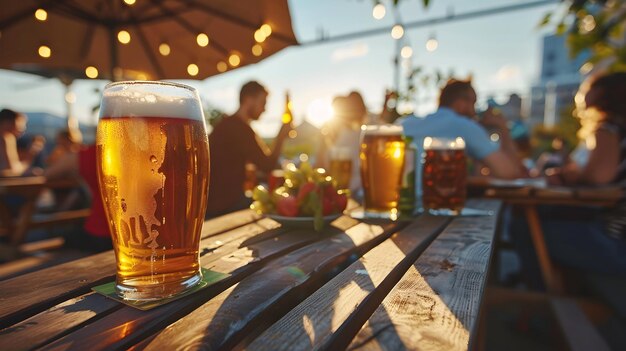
(307, 198)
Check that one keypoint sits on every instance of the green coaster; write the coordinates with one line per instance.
(209, 278)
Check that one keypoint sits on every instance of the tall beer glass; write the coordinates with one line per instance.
(444, 175)
(153, 169)
(341, 166)
(382, 163)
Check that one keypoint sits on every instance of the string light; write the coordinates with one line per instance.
(164, 49)
(266, 29)
(406, 52)
(129, 2)
(41, 15)
(234, 60)
(193, 70)
(397, 31)
(259, 36)
(379, 11)
(222, 66)
(91, 72)
(432, 44)
(202, 39)
(45, 51)
(123, 37)
(257, 50)
(70, 97)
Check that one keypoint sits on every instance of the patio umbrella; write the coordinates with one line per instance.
(142, 39)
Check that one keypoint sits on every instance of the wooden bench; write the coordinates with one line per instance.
(28, 190)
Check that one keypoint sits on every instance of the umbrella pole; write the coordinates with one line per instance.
(72, 121)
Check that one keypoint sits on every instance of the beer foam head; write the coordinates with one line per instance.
(435, 143)
(382, 129)
(151, 99)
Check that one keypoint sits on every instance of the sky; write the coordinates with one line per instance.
(502, 53)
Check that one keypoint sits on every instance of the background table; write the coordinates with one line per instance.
(27, 191)
(529, 197)
(386, 285)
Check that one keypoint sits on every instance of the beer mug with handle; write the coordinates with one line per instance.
(153, 170)
(444, 175)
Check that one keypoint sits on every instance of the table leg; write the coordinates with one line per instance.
(6, 220)
(550, 275)
(23, 221)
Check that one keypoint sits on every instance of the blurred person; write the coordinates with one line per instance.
(31, 153)
(587, 238)
(455, 118)
(12, 126)
(94, 236)
(342, 133)
(557, 156)
(65, 142)
(232, 144)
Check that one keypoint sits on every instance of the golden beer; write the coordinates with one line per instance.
(153, 169)
(340, 166)
(445, 174)
(382, 163)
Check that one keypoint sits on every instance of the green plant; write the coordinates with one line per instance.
(595, 25)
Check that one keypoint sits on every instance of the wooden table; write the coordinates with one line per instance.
(389, 285)
(529, 197)
(28, 190)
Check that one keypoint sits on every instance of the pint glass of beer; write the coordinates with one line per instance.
(340, 166)
(153, 170)
(444, 175)
(382, 163)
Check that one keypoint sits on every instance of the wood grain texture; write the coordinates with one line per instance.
(27, 295)
(55, 322)
(127, 326)
(232, 240)
(343, 304)
(227, 222)
(435, 305)
(222, 322)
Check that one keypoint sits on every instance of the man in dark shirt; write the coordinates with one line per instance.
(232, 144)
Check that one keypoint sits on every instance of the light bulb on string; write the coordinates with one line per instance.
(406, 52)
(397, 31)
(379, 11)
(432, 44)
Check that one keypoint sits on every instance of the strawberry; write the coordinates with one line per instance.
(341, 202)
(287, 205)
(328, 206)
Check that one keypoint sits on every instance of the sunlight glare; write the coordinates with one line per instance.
(320, 111)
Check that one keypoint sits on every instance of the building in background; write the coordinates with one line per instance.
(558, 82)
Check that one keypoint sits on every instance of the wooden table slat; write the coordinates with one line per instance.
(55, 322)
(21, 296)
(106, 332)
(436, 304)
(333, 311)
(268, 294)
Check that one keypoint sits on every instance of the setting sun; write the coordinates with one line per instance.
(319, 111)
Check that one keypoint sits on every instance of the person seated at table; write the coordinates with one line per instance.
(455, 118)
(232, 144)
(94, 236)
(12, 126)
(585, 238)
(342, 135)
(66, 142)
